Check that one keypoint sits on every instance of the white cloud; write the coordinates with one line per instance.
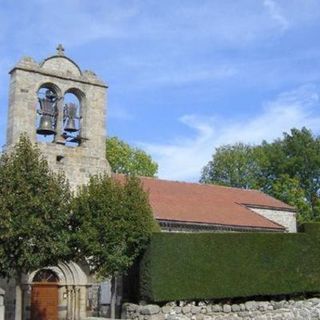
(275, 14)
(76, 22)
(184, 158)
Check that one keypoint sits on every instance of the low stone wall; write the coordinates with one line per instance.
(258, 310)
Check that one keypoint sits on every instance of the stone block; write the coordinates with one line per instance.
(130, 307)
(171, 304)
(314, 300)
(199, 316)
(177, 317)
(242, 307)
(251, 305)
(150, 309)
(203, 310)
(177, 310)
(235, 308)
(226, 308)
(186, 309)
(263, 306)
(166, 309)
(216, 308)
(158, 316)
(244, 314)
(195, 309)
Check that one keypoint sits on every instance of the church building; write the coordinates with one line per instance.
(63, 109)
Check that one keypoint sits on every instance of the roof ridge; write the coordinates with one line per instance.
(195, 183)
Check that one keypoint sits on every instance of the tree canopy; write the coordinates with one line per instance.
(287, 168)
(112, 223)
(107, 222)
(34, 212)
(232, 165)
(129, 160)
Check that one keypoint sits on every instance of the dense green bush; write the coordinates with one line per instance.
(182, 266)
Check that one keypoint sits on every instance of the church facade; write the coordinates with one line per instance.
(63, 110)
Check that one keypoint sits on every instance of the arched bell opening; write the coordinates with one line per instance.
(72, 117)
(47, 112)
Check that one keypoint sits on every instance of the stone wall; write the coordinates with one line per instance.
(258, 310)
(284, 218)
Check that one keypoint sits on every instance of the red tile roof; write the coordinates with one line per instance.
(210, 204)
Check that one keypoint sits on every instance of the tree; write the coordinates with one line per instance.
(295, 156)
(287, 168)
(34, 212)
(289, 190)
(129, 160)
(112, 223)
(232, 165)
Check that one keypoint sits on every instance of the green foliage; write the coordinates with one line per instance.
(129, 160)
(232, 165)
(290, 191)
(288, 169)
(34, 209)
(112, 223)
(229, 265)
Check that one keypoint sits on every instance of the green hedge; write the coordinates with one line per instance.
(182, 266)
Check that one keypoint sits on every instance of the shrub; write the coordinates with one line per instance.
(182, 266)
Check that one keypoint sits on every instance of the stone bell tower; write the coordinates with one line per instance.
(62, 109)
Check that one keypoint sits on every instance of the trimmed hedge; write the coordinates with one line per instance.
(196, 266)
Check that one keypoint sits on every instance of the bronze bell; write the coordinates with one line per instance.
(46, 126)
(70, 126)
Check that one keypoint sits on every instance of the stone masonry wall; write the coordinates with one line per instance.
(285, 218)
(258, 310)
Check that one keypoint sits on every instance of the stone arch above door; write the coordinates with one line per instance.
(68, 273)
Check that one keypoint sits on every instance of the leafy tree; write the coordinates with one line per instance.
(112, 223)
(34, 209)
(297, 156)
(290, 191)
(129, 160)
(302, 152)
(232, 165)
(287, 168)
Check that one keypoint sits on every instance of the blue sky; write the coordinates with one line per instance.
(184, 76)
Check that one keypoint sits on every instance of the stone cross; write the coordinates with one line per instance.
(60, 50)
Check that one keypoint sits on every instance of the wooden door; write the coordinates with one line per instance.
(44, 301)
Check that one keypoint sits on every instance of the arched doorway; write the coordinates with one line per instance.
(67, 282)
(44, 295)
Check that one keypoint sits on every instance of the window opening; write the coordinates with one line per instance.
(45, 275)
